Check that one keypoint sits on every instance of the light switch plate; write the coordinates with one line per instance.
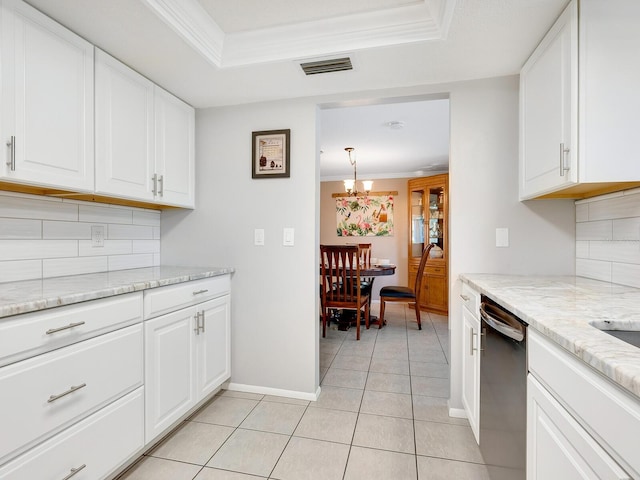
(502, 237)
(258, 236)
(287, 237)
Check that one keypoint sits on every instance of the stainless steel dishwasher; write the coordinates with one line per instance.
(503, 392)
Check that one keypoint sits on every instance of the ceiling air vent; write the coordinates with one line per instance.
(326, 66)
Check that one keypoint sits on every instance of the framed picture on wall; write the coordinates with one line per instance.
(270, 154)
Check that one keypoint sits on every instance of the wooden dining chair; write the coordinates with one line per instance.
(405, 294)
(341, 284)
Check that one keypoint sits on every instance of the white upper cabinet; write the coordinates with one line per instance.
(144, 138)
(124, 130)
(579, 104)
(175, 152)
(46, 102)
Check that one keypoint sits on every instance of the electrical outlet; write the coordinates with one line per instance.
(97, 235)
(258, 236)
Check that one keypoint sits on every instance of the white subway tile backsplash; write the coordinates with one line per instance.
(608, 238)
(624, 206)
(111, 247)
(43, 237)
(59, 267)
(124, 262)
(622, 252)
(582, 249)
(37, 249)
(67, 230)
(626, 229)
(105, 214)
(626, 274)
(146, 246)
(12, 206)
(593, 269)
(582, 212)
(601, 230)
(130, 232)
(17, 228)
(146, 217)
(14, 271)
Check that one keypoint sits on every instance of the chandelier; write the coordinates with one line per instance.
(351, 186)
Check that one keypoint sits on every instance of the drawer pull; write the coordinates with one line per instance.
(74, 471)
(198, 292)
(197, 317)
(59, 329)
(464, 297)
(72, 389)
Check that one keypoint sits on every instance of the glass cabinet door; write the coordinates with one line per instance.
(436, 223)
(418, 225)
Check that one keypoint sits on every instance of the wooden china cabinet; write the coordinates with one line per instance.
(429, 223)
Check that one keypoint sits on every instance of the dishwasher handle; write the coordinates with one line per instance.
(514, 331)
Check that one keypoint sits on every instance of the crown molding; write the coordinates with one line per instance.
(191, 22)
(426, 21)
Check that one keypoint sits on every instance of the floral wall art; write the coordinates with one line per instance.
(370, 216)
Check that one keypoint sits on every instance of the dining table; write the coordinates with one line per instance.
(369, 272)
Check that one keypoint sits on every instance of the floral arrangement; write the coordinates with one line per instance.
(365, 216)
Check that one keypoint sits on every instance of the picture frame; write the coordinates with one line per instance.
(270, 156)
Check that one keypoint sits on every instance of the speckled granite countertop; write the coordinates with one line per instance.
(33, 295)
(563, 308)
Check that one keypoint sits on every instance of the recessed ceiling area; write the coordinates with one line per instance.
(391, 139)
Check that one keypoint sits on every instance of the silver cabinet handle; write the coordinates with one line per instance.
(12, 158)
(161, 182)
(59, 329)
(155, 184)
(72, 389)
(563, 153)
(198, 292)
(74, 471)
(202, 316)
(472, 347)
(464, 297)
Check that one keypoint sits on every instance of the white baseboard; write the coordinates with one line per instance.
(238, 387)
(457, 412)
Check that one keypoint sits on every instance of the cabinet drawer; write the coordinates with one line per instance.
(607, 412)
(470, 299)
(101, 443)
(173, 297)
(30, 334)
(429, 270)
(94, 373)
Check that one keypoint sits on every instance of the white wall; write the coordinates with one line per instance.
(275, 313)
(274, 290)
(608, 238)
(483, 195)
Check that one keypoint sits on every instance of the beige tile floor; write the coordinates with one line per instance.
(382, 414)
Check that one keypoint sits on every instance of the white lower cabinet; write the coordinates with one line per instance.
(580, 425)
(471, 357)
(558, 447)
(93, 447)
(187, 357)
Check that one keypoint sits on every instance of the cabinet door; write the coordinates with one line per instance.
(213, 361)
(47, 101)
(471, 369)
(434, 293)
(549, 111)
(558, 447)
(124, 130)
(169, 370)
(175, 159)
